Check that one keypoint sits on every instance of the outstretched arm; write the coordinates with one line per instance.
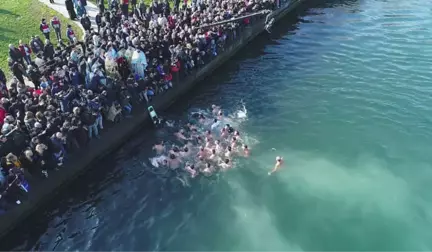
(276, 167)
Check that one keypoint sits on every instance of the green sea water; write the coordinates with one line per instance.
(342, 90)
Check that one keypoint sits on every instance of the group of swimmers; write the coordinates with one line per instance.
(205, 151)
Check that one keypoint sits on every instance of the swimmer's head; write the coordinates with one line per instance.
(229, 148)
(217, 142)
(227, 125)
(208, 165)
(215, 120)
(234, 139)
(236, 133)
(226, 161)
(208, 132)
(220, 113)
(175, 149)
(192, 166)
(213, 151)
(185, 149)
(165, 161)
(278, 158)
(172, 156)
(245, 146)
(202, 148)
(214, 106)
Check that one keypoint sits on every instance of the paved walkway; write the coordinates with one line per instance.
(59, 6)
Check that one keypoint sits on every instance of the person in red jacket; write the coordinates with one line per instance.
(55, 23)
(25, 51)
(44, 28)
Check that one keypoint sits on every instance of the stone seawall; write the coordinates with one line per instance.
(117, 135)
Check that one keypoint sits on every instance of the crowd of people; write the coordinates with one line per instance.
(74, 88)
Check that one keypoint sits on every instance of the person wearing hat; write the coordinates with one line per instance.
(44, 28)
(55, 23)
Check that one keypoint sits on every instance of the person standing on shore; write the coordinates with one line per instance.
(70, 8)
(98, 20)
(125, 7)
(101, 5)
(85, 22)
(44, 28)
(25, 51)
(55, 23)
(70, 34)
(15, 54)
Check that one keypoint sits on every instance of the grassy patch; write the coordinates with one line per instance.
(20, 19)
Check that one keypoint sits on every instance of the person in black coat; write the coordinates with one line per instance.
(48, 50)
(70, 8)
(2, 77)
(101, 5)
(18, 71)
(15, 54)
(34, 75)
(98, 19)
(85, 22)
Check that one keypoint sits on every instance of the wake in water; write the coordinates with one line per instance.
(207, 144)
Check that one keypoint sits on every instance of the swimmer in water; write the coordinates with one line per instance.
(209, 143)
(201, 118)
(208, 169)
(185, 152)
(209, 134)
(191, 169)
(229, 129)
(215, 109)
(191, 127)
(159, 148)
(237, 135)
(218, 146)
(215, 124)
(174, 162)
(180, 135)
(199, 140)
(233, 142)
(228, 152)
(226, 164)
(224, 133)
(213, 155)
(202, 153)
(220, 115)
(246, 150)
(174, 150)
(279, 162)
